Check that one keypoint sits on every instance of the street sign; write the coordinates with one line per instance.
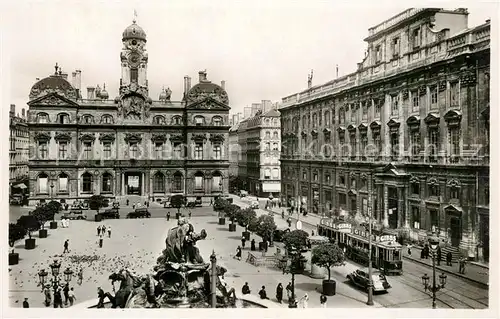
(298, 225)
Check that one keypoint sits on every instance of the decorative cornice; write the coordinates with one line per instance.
(107, 137)
(432, 120)
(216, 137)
(453, 183)
(62, 137)
(42, 136)
(133, 137)
(422, 90)
(453, 118)
(413, 122)
(158, 137)
(198, 137)
(176, 138)
(87, 137)
(468, 78)
(442, 86)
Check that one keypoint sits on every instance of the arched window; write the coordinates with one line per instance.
(315, 120)
(107, 119)
(304, 121)
(62, 118)
(217, 121)
(63, 183)
(43, 183)
(159, 120)
(159, 183)
(327, 118)
(268, 135)
(87, 119)
(42, 118)
(275, 135)
(216, 182)
(341, 116)
(199, 120)
(86, 183)
(177, 183)
(107, 182)
(198, 181)
(176, 120)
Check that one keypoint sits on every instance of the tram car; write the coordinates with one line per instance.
(386, 251)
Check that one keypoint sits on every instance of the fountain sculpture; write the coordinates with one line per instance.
(181, 280)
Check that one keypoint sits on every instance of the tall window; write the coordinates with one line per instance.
(378, 53)
(454, 133)
(43, 181)
(268, 146)
(159, 183)
(364, 107)
(63, 150)
(177, 150)
(276, 173)
(342, 144)
(394, 105)
(353, 114)
(394, 145)
(177, 120)
(454, 192)
(268, 135)
(63, 183)
(416, 38)
(198, 150)
(433, 190)
(415, 188)
(341, 116)
(434, 219)
(133, 150)
(454, 94)
(107, 150)
(434, 144)
(434, 96)
(364, 144)
(216, 183)
(395, 47)
(327, 118)
(134, 75)
(415, 213)
(87, 183)
(43, 149)
(63, 119)
(315, 120)
(378, 108)
(353, 143)
(217, 151)
(415, 101)
(107, 179)
(177, 182)
(415, 142)
(276, 135)
(158, 150)
(43, 118)
(198, 120)
(217, 121)
(198, 181)
(377, 141)
(87, 150)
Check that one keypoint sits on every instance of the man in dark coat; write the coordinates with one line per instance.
(66, 246)
(101, 295)
(58, 303)
(438, 255)
(245, 289)
(279, 292)
(25, 303)
(98, 230)
(263, 293)
(449, 257)
(66, 294)
(238, 253)
(243, 241)
(168, 216)
(252, 245)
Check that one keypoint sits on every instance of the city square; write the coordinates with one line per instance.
(367, 190)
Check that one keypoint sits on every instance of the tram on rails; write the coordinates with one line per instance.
(386, 251)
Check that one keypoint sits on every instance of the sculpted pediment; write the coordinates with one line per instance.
(108, 137)
(159, 137)
(134, 107)
(87, 137)
(53, 99)
(41, 136)
(208, 104)
(133, 137)
(62, 136)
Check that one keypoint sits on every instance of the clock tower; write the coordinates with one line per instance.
(134, 59)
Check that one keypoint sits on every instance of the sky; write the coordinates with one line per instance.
(264, 50)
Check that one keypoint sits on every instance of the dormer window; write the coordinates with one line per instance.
(107, 119)
(63, 118)
(159, 120)
(177, 120)
(378, 54)
(395, 47)
(87, 119)
(416, 38)
(217, 121)
(43, 118)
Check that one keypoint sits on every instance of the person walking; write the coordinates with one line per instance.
(99, 230)
(289, 221)
(66, 293)
(168, 216)
(438, 255)
(408, 247)
(58, 299)
(80, 276)
(322, 301)
(289, 291)
(263, 293)
(245, 289)
(26, 303)
(189, 214)
(103, 230)
(109, 231)
(279, 292)
(100, 241)
(252, 245)
(461, 263)
(71, 296)
(66, 246)
(282, 214)
(305, 301)
(243, 242)
(127, 202)
(238, 253)
(449, 258)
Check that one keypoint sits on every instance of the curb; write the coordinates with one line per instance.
(480, 283)
(479, 265)
(293, 218)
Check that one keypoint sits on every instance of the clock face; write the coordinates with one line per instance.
(134, 59)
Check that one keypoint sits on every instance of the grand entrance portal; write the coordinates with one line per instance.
(133, 183)
(392, 205)
(455, 231)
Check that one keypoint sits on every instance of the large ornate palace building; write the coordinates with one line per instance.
(130, 144)
(406, 136)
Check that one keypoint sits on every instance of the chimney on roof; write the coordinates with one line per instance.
(223, 84)
(12, 110)
(23, 114)
(78, 83)
(202, 76)
(187, 84)
(90, 92)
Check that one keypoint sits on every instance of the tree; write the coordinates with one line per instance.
(328, 255)
(220, 204)
(29, 222)
(265, 226)
(44, 213)
(55, 206)
(231, 210)
(296, 239)
(246, 216)
(96, 202)
(16, 232)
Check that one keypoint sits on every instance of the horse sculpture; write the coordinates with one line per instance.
(134, 291)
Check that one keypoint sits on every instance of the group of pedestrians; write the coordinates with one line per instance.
(101, 233)
(66, 291)
(245, 290)
(425, 253)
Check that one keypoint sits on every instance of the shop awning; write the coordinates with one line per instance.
(21, 186)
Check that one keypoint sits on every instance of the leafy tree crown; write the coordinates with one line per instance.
(328, 255)
(296, 239)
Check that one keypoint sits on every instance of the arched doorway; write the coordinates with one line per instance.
(133, 183)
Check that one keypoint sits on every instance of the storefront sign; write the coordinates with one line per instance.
(388, 238)
(343, 226)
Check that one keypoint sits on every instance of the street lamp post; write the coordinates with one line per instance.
(293, 253)
(442, 278)
(369, 302)
(51, 190)
(55, 281)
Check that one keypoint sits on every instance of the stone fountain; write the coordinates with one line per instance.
(181, 278)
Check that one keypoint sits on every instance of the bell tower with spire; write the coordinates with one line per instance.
(134, 58)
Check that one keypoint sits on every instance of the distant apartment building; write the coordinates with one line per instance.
(18, 147)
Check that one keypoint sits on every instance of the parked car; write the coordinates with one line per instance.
(254, 204)
(74, 213)
(198, 201)
(360, 279)
(84, 205)
(242, 193)
(105, 202)
(113, 213)
(139, 213)
(116, 205)
(16, 200)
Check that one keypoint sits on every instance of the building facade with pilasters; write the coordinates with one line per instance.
(405, 138)
(129, 145)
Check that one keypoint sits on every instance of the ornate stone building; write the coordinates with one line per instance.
(406, 136)
(18, 147)
(130, 144)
